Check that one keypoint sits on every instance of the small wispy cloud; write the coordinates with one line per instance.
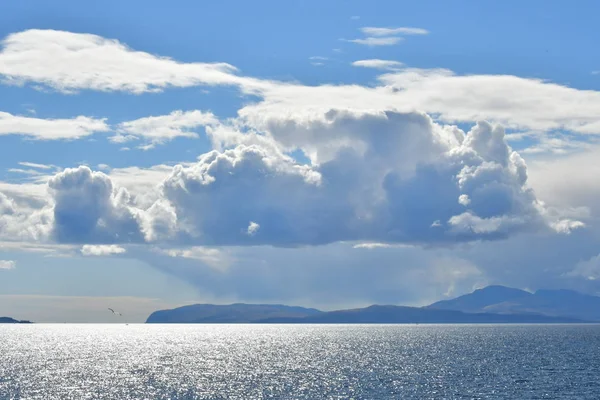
(101, 250)
(51, 129)
(374, 31)
(555, 145)
(253, 227)
(35, 165)
(7, 264)
(540, 142)
(24, 171)
(47, 249)
(355, 17)
(146, 147)
(122, 138)
(378, 64)
(377, 41)
(155, 130)
(212, 257)
(318, 61)
(371, 246)
(383, 36)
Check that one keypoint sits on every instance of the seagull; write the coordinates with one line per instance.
(115, 312)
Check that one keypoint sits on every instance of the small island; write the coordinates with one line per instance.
(8, 320)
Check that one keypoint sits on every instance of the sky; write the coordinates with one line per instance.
(330, 155)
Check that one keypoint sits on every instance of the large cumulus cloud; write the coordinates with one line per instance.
(398, 177)
(217, 198)
(87, 208)
(375, 176)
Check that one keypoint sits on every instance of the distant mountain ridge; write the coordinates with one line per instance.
(233, 313)
(505, 300)
(8, 320)
(493, 304)
(388, 314)
(481, 298)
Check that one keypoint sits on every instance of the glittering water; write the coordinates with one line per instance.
(299, 362)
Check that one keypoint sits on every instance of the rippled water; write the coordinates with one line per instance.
(299, 362)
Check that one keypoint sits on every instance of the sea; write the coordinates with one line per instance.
(137, 361)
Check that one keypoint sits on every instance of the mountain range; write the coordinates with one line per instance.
(504, 300)
(493, 304)
(233, 313)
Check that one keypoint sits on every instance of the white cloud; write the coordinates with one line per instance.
(518, 103)
(22, 221)
(464, 200)
(270, 184)
(385, 36)
(389, 160)
(159, 129)
(101, 250)
(372, 245)
(47, 249)
(253, 228)
(570, 180)
(31, 194)
(122, 138)
(24, 171)
(50, 129)
(86, 61)
(7, 264)
(566, 225)
(35, 165)
(142, 183)
(553, 145)
(378, 64)
(87, 209)
(146, 147)
(214, 258)
(468, 222)
(373, 31)
(377, 41)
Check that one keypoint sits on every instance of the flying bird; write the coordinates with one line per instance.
(115, 312)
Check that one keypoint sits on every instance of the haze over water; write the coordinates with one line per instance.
(299, 361)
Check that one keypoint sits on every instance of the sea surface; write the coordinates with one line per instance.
(299, 361)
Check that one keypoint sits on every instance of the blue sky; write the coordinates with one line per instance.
(392, 153)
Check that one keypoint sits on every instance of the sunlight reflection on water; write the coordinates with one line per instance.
(299, 361)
